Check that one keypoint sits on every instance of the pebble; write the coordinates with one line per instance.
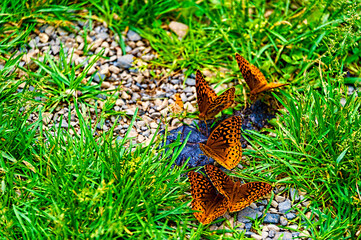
(279, 198)
(125, 61)
(43, 37)
(290, 216)
(283, 221)
(294, 194)
(284, 206)
(272, 218)
(178, 28)
(248, 213)
(133, 36)
(256, 236)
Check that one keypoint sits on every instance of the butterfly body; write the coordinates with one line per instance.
(238, 195)
(206, 200)
(254, 78)
(223, 144)
(209, 103)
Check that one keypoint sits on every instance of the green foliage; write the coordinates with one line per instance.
(317, 147)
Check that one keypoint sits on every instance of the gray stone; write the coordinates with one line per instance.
(290, 216)
(125, 61)
(283, 221)
(98, 77)
(294, 194)
(272, 218)
(271, 233)
(284, 206)
(248, 226)
(64, 124)
(246, 213)
(178, 28)
(191, 82)
(133, 36)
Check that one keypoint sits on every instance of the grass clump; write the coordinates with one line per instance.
(316, 147)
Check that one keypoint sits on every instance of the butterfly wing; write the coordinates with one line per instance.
(246, 194)
(249, 73)
(227, 133)
(205, 94)
(223, 101)
(228, 157)
(220, 180)
(268, 87)
(206, 200)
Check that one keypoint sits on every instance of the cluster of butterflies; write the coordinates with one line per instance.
(212, 198)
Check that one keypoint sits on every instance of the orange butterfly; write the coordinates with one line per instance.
(254, 78)
(208, 102)
(239, 196)
(206, 199)
(223, 144)
(177, 107)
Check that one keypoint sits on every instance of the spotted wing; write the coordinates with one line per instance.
(267, 87)
(205, 94)
(248, 193)
(223, 101)
(227, 133)
(228, 157)
(239, 196)
(249, 73)
(208, 203)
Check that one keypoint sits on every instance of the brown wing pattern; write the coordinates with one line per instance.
(254, 78)
(223, 101)
(227, 133)
(206, 199)
(223, 144)
(239, 196)
(246, 194)
(205, 94)
(228, 157)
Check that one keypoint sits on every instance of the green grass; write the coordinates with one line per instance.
(87, 186)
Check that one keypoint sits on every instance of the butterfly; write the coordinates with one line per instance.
(223, 144)
(177, 107)
(239, 195)
(206, 200)
(254, 78)
(208, 102)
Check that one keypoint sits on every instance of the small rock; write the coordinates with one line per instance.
(125, 61)
(114, 69)
(47, 117)
(279, 198)
(64, 124)
(248, 226)
(125, 96)
(294, 194)
(264, 234)
(273, 227)
(133, 36)
(274, 204)
(163, 105)
(49, 30)
(272, 218)
(191, 82)
(271, 233)
(290, 216)
(105, 85)
(178, 28)
(283, 221)
(246, 213)
(284, 206)
(256, 236)
(189, 107)
(43, 37)
(130, 112)
(132, 133)
(141, 138)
